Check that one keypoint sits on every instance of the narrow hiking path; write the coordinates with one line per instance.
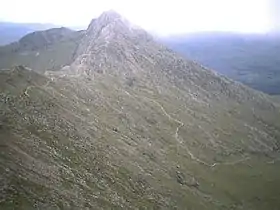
(34, 86)
(181, 124)
(192, 156)
(27, 89)
(176, 133)
(176, 136)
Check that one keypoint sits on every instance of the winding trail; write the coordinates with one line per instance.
(33, 86)
(181, 124)
(273, 161)
(27, 89)
(192, 156)
(176, 134)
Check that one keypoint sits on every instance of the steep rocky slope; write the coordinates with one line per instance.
(130, 124)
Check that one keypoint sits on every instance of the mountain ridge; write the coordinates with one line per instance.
(42, 50)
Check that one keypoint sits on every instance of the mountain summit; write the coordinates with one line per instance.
(107, 18)
(108, 39)
(127, 123)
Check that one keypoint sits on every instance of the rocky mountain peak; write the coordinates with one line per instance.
(109, 39)
(110, 16)
(111, 24)
(106, 19)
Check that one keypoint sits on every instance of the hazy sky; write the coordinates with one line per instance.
(160, 16)
(274, 11)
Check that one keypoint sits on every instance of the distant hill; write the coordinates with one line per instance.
(42, 50)
(251, 59)
(11, 32)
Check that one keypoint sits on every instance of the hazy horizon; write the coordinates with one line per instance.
(162, 18)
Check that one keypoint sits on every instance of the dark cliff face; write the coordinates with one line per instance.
(129, 124)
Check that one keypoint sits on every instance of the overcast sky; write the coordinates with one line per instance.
(160, 16)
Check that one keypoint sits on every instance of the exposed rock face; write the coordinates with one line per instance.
(129, 124)
(109, 41)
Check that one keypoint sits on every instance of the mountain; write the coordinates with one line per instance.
(250, 59)
(11, 32)
(130, 124)
(42, 50)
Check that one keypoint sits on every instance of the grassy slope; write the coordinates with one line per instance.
(106, 143)
(52, 58)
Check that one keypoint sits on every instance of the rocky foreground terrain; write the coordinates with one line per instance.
(125, 123)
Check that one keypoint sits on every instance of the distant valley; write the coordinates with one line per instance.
(251, 59)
